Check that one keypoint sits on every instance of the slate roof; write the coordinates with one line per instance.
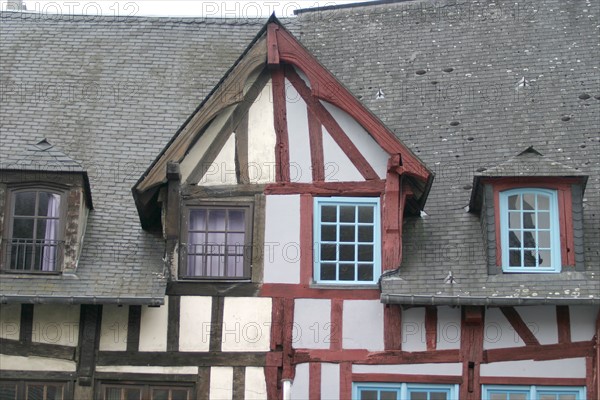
(466, 86)
(40, 156)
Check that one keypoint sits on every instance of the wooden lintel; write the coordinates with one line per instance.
(32, 349)
(408, 378)
(368, 188)
(541, 352)
(202, 359)
(364, 357)
(519, 326)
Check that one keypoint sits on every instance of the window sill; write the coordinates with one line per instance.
(31, 274)
(549, 276)
(329, 286)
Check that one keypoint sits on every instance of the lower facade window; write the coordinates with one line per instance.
(145, 392)
(404, 391)
(506, 392)
(347, 234)
(30, 390)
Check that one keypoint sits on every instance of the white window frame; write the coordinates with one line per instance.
(533, 392)
(404, 389)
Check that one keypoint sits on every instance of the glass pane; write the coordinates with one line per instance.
(25, 203)
(365, 253)
(215, 242)
(8, 391)
(545, 258)
(347, 253)
(328, 272)
(544, 239)
(216, 220)
(160, 394)
(365, 214)
(113, 394)
(518, 396)
(515, 258)
(236, 240)
(48, 204)
(195, 266)
(347, 213)
(346, 272)
(418, 396)
(347, 233)
(514, 220)
(567, 397)
(543, 202)
(515, 239)
(547, 397)
(529, 201)
(179, 394)
(197, 220)
(197, 243)
(54, 392)
(529, 258)
(35, 392)
(237, 220)
(529, 220)
(438, 396)
(328, 233)
(365, 234)
(235, 266)
(388, 395)
(365, 272)
(328, 213)
(23, 228)
(47, 229)
(514, 202)
(543, 220)
(328, 252)
(529, 239)
(133, 394)
(498, 396)
(368, 395)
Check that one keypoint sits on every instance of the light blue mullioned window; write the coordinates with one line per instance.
(404, 391)
(530, 231)
(347, 233)
(509, 392)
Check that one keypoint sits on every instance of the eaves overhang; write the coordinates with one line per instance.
(71, 300)
(430, 300)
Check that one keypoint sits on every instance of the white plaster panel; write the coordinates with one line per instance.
(194, 323)
(255, 384)
(56, 324)
(364, 142)
(452, 369)
(338, 167)
(357, 316)
(583, 322)
(132, 369)
(302, 75)
(261, 138)
(246, 324)
(330, 376)
(297, 122)
(299, 390)
(18, 363)
(222, 169)
(498, 333)
(221, 383)
(448, 328)
(198, 150)
(541, 320)
(10, 321)
(113, 330)
(153, 327)
(312, 323)
(568, 368)
(413, 329)
(282, 239)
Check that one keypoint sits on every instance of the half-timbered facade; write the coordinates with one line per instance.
(255, 215)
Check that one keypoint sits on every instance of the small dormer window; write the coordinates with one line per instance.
(530, 235)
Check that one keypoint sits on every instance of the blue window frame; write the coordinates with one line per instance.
(347, 234)
(404, 391)
(509, 392)
(530, 231)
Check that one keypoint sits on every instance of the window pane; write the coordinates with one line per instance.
(547, 397)
(529, 239)
(179, 394)
(567, 397)
(514, 202)
(347, 213)
(388, 395)
(438, 396)
(544, 239)
(365, 214)
(529, 258)
(112, 394)
(365, 234)
(160, 394)
(498, 396)
(329, 233)
(528, 220)
(545, 258)
(215, 242)
(25, 203)
(365, 272)
(529, 201)
(47, 229)
(197, 220)
(518, 396)
(23, 228)
(544, 220)
(195, 266)
(346, 272)
(515, 239)
(35, 392)
(515, 258)
(237, 220)
(368, 395)
(48, 204)
(514, 220)
(347, 233)
(329, 213)
(347, 253)
(54, 392)
(216, 220)
(365, 253)
(328, 252)
(543, 202)
(328, 272)
(8, 391)
(418, 396)
(237, 240)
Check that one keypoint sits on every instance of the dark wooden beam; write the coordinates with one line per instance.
(540, 352)
(89, 340)
(315, 135)
(431, 327)
(203, 383)
(239, 383)
(26, 325)
(563, 321)
(383, 377)
(287, 338)
(392, 327)
(241, 151)
(216, 323)
(233, 289)
(176, 359)
(519, 326)
(364, 188)
(133, 328)
(173, 325)
(195, 192)
(365, 357)
(471, 351)
(23, 349)
(272, 46)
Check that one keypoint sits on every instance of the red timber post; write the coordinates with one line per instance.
(282, 152)
(471, 352)
(593, 365)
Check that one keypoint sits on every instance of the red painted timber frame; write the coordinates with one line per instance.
(282, 145)
(519, 326)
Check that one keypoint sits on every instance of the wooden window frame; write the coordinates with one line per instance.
(145, 387)
(11, 192)
(533, 391)
(403, 390)
(248, 205)
(23, 384)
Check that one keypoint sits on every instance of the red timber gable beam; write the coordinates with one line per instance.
(284, 48)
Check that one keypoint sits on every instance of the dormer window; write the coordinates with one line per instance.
(530, 235)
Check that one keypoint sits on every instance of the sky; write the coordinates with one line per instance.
(175, 8)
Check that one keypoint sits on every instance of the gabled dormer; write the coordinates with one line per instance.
(281, 139)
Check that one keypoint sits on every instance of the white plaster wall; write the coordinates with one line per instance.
(330, 378)
(541, 320)
(221, 383)
(153, 327)
(10, 321)
(222, 170)
(448, 328)
(363, 325)
(338, 167)
(113, 331)
(413, 329)
(194, 323)
(261, 138)
(297, 122)
(18, 363)
(498, 333)
(131, 369)
(312, 323)
(583, 322)
(453, 369)
(282, 239)
(363, 141)
(56, 324)
(198, 150)
(255, 384)
(246, 324)
(568, 368)
(299, 389)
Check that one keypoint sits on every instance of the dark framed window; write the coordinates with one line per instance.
(145, 392)
(30, 390)
(217, 242)
(34, 230)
